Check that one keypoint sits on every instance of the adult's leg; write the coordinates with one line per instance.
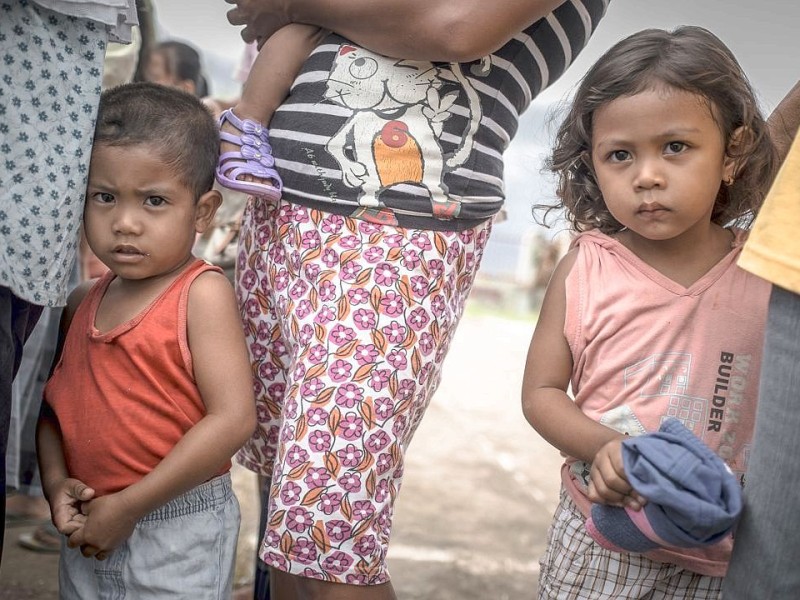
(764, 562)
(17, 320)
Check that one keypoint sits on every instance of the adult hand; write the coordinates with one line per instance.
(261, 18)
(608, 483)
(65, 505)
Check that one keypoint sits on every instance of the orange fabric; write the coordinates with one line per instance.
(125, 397)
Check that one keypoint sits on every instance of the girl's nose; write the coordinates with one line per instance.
(649, 175)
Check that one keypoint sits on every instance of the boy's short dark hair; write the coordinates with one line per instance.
(175, 123)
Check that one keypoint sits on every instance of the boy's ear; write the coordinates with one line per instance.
(207, 206)
(738, 141)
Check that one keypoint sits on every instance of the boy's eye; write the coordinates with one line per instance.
(155, 201)
(676, 147)
(103, 197)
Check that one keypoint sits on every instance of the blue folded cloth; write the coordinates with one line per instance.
(693, 498)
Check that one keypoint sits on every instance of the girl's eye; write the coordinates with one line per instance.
(619, 155)
(675, 147)
(155, 201)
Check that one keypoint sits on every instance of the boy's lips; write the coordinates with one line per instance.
(128, 250)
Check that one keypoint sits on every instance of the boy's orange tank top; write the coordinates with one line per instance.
(125, 397)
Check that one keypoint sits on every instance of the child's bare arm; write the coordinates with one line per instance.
(549, 409)
(276, 67)
(222, 372)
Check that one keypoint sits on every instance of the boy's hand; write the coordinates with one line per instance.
(65, 505)
(108, 524)
(608, 483)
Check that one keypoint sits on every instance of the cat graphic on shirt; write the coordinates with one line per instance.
(393, 134)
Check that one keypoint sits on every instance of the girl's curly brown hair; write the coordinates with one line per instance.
(690, 59)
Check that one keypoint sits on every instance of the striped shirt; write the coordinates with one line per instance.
(415, 143)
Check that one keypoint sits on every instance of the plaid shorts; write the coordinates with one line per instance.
(575, 567)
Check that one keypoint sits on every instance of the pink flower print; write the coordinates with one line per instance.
(337, 563)
(258, 351)
(267, 371)
(386, 274)
(350, 456)
(419, 286)
(382, 522)
(316, 477)
(306, 334)
(332, 224)
(367, 228)
(366, 354)
(312, 388)
(395, 332)
(281, 280)
(394, 240)
(317, 416)
(277, 254)
(290, 408)
(363, 509)
(421, 240)
(384, 407)
(436, 268)
(320, 441)
(379, 378)
(299, 371)
(340, 370)
(377, 441)
(356, 579)
(358, 296)
(312, 271)
(373, 254)
(452, 254)
(365, 545)
(384, 463)
(466, 236)
(325, 315)
(298, 289)
(304, 550)
(418, 319)
(318, 354)
(410, 259)
(300, 214)
(299, 519)
(287, 434)
(397, 358)
(425, 343)
(350, 481)
(290, 493)
(350, 270)
(399, 427)
(381, 491)
(275, 559)
(328, 503)
(330, 257)
(349, 242)
(338, 530)
(364, 319)
(341, 334)
(263, 331)
(272, 538)
(296, 455)
(252, 308)
(279, 348)
(348, 395)
(327, 291)
(303, 309)
(438, 305)
(407, 389)
(249, 280)
(351, 426)
(392, 303)
(276, 390)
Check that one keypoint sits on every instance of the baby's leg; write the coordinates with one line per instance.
(267, 85)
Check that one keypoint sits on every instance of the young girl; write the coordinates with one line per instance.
(246, 163)
(153, 392)
(662, 154)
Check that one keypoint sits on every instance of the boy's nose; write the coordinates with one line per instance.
(125, 221)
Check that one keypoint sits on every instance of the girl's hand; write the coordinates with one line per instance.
(608, 483)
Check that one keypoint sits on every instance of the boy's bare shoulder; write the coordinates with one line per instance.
(210, 291)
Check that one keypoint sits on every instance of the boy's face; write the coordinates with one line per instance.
(140, 219)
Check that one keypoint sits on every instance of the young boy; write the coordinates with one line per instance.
(152, 393)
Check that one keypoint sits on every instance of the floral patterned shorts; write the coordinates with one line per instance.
(348, 323)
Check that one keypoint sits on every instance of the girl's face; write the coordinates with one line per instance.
(660, 158)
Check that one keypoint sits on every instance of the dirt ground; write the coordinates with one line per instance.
(479, 489)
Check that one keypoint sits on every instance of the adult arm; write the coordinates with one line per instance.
(434, 30)
(224, 379)
(553, 414)
(785, 120)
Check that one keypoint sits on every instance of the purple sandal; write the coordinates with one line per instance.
(254, 157)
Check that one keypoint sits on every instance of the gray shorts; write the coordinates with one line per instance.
(185, 549)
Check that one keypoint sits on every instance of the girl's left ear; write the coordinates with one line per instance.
(734, 152)
(207, 206)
